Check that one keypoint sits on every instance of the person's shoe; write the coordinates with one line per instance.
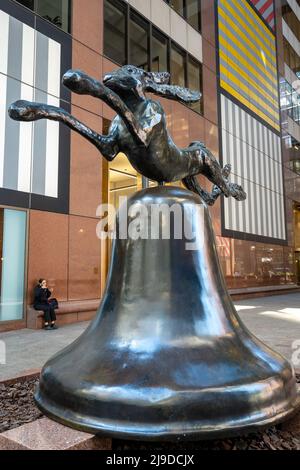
(54, 327)
(48, 327)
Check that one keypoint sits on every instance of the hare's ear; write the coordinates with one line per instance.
(173, 92)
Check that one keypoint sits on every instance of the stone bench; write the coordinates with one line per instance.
(68, 312)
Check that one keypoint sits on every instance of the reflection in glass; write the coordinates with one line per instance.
(12, 246)
(55, 11)
(194, 81)
(159, 52)
(178, 6)
(193, 13)
(177, 66)
(138, 37)
(251, 264)
(114, 32)
(27, 3)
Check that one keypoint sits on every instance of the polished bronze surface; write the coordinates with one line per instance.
(167, 356)
(140, 129)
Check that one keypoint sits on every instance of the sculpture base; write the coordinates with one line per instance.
(167, 357)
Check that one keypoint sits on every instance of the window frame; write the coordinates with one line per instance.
(34, 10)
(118, 4)
(21, 322)
(154, 30)
(129, 12)
(184, 16)
(144, 24)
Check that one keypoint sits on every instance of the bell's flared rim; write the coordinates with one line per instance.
(169, 431)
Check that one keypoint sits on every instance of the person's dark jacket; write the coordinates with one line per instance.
(41, 295)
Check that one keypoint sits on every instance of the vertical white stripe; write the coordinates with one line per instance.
(224, 145)
(230, 205)
(226, 213)
(239, 167)
(253, 194)
(258, 194)
(241, 209)
(283, 232)
(25, 145)
(255, 133)
(28, 51)
(230, 124)
(249, 208)
(223, 111)
(225, 152)
(237, 111)
(52, 154)
(52, 147)
(246, 209)
(243, 134)
(54, 68)
(279, 215)
(4, 32)
(26, 130)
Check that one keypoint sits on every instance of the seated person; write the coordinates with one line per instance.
(43, 302)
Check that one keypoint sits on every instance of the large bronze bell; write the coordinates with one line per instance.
(167, 356)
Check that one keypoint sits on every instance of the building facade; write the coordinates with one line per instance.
(243, 55)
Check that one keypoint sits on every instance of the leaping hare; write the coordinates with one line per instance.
(139, 130)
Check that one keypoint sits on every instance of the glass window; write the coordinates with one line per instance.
(296, 106)
(177, 66)
(178, 6)
(12, 246)
(193, 13)
(159, 52)
(115, 32)
(195, 81)
(27, 3)
(55, 11)
(138, 42)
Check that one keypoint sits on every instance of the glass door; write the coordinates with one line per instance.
(12, 269)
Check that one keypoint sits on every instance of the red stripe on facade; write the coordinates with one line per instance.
(265, 6)
(270, 17)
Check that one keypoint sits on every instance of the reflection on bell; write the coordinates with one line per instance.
(167, 356)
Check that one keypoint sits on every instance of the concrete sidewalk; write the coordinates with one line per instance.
(275, 320)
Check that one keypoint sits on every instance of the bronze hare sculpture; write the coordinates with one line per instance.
(139, 130)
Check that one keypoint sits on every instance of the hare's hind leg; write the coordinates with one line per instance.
(209, 166)
(206, 164)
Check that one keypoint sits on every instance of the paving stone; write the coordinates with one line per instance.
(45, 434)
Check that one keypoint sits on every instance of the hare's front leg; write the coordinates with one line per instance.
(28, 111)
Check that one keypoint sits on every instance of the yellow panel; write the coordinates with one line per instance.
(249, 92)
(248, 104)
(250, 44)
(253, 19)
(246, 77)
(255, 15)
(273, 90)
